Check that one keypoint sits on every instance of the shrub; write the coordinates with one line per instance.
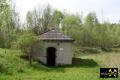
(5, 68)
(106, 49)
(29, 44)
(2, 68)
(76, 52)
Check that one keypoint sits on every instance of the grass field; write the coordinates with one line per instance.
(85, 67)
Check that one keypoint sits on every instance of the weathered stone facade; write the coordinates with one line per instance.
(57, 51)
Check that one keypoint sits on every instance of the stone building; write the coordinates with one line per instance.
(57, 50)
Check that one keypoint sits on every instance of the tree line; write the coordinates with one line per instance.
(86, 31)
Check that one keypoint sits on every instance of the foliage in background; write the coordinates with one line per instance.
(29, 43)
(87, 32)
(8, 24)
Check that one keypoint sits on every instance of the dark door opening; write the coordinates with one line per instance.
(51, 55)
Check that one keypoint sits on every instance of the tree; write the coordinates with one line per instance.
(57, 17)
(28, 42)
(91, 20)
(39, 20)
(46, 18)
(29, 19)
(7, 24)
(72, 26)
(90, 34)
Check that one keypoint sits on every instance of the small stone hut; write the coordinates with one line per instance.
(58, 48)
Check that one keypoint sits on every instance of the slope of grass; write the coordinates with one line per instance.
(86, 67)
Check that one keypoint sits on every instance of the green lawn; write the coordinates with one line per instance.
(85, 67)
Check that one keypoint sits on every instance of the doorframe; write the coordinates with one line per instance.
(48, 56)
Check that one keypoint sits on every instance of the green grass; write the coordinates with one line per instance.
(85, 67)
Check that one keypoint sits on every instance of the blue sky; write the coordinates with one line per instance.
(104, 9)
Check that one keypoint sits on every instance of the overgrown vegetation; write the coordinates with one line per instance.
(8, 24)
(29, 44)
(90, 36)
(87, 31)
(12, 67)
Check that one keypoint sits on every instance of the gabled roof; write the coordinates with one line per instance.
(54, 35)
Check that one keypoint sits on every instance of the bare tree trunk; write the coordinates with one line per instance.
(30, 55)
(30, 58)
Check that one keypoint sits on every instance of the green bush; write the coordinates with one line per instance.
(76, 52)
(106, 49)
(27, 42)
(115, 49)
(6, 68)
(2, 68)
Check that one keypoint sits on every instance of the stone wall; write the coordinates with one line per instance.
(63, 52)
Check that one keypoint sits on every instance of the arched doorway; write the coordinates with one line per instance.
(51, 55)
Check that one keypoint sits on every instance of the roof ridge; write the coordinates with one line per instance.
(54, 34)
